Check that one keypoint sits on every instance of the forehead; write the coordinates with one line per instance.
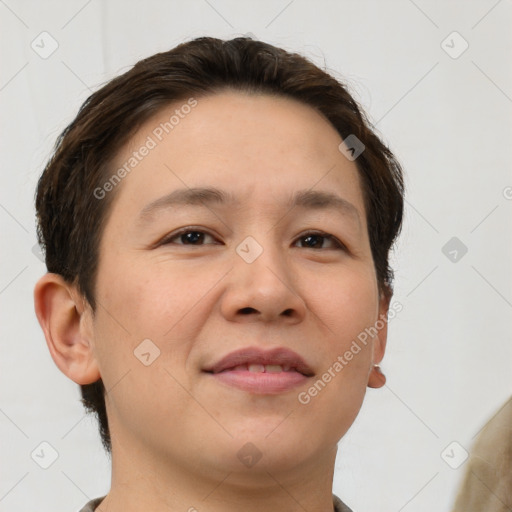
(254, 146)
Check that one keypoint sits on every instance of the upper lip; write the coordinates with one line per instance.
(255, 355)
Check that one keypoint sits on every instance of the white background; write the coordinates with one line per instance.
(448, 120)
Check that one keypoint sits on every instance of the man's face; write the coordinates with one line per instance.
(253, 273)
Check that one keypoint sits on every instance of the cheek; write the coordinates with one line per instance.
(138, 306)
(336, 395)
(162, 302)
(146, 299)
(345, 302)
(346, 305)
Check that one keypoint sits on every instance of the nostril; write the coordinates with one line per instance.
(248, 310)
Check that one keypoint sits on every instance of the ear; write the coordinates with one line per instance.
(377, 379)
(66, 320)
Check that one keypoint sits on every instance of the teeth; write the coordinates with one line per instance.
(273, 368)
(267, 368)
(256, 368)
(262, 368)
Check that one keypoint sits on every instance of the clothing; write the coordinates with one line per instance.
(91, 505)
(339, 506)
(487, 484)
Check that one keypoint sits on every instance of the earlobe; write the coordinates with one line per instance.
(60, 311)
(376, 378)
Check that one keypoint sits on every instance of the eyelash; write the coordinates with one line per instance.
(338, 245)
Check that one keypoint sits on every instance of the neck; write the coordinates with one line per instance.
(157, 483)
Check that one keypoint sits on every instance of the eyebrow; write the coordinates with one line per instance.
(205, 196)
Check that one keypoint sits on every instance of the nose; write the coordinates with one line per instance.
(263, 290)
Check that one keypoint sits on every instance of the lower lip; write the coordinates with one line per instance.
(261, 382)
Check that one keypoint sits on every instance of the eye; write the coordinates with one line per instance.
(314, 240)
(187, 236)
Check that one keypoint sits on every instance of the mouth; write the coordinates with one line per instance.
(261, 371)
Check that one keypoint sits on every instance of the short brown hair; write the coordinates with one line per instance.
(71, 218)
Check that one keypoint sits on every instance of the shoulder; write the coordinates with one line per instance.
(339, 506)
(487, 483)
(90, 506)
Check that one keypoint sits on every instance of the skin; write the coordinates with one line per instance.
(176, 431)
